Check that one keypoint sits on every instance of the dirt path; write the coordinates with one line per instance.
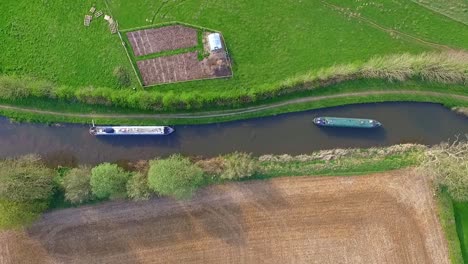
(381, 218)
(227, 113)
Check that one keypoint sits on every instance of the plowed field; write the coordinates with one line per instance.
(381, 218)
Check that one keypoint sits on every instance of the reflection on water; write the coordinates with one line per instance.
(289, 133)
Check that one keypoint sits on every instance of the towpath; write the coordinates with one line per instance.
(227, 113)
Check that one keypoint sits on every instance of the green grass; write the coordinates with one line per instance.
(352, 86)
(447, 213)
(455, 9)
(411, 18)
(354, 165)
(461, 217)
(47, 39)
(269, 43)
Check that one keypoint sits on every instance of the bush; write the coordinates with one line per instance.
(137, 187)
(175, 176)
(239, 165)
(108, 181)
(447, 165)
(77, 185)
(17, 214)
(25, 180)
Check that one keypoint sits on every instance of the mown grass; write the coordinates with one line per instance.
(461, 217)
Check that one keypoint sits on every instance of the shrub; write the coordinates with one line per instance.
(108, 181)
(239, 165)
(77, 185)
(122, 76)
(25, 179)
(175, 176)
(447, 165)
(16, 214)
(137, 187)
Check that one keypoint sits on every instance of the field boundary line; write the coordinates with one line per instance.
(227, 113)
(124, 44)
(168, 23)
(439, 13)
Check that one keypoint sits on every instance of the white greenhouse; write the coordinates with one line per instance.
(214, 40)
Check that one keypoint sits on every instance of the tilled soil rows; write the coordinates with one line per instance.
(150, 41)
(381, 218)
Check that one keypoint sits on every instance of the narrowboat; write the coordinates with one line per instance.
(346, 122)
(130, 130)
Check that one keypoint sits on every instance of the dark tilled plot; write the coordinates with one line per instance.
(150, 41)
(181, 67)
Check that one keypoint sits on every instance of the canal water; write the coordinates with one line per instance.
(292, 133)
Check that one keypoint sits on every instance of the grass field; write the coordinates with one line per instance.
(461, 217)
(269, 42)
(47, 40)
(455, 9)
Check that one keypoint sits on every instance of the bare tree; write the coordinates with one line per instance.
(447, 165)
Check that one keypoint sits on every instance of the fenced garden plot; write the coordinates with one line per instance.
(171, 53)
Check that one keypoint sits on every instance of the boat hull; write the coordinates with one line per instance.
(346, 122)
(131, 130)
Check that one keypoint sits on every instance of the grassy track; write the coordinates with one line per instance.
(461, 217)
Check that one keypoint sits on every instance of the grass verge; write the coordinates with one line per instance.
(447, 217)
(461, 219)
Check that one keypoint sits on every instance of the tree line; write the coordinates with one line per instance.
(28, 186)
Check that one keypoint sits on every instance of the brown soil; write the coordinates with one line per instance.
(382, 218)
(150, 41)
(183, 67)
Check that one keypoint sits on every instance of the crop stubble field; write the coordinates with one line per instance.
(381, 218)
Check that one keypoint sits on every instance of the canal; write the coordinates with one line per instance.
(292, 133)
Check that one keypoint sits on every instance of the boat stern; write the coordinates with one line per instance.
(168, 130)
(376, 123)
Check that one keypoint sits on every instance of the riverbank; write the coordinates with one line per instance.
(352, 92)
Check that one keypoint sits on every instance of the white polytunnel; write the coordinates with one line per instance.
(214, 40)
